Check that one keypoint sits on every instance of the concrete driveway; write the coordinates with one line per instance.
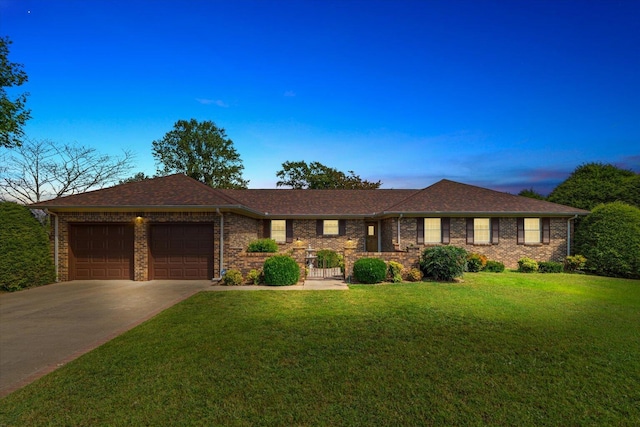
(45, 327)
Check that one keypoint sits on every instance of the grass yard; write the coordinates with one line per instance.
(498, 349)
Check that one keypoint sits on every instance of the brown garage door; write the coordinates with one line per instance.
(181, 251)
(101, 251)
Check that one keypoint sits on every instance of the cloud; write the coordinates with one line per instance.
(289, 94)
(217, 102)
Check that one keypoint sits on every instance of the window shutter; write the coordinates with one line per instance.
(495, 231)
(319, 227)
(266, 228)
(546, 231)
(520, 231)
(289, 227)
(420, 231)
(445, 225)
(469, 231)
(342, 227)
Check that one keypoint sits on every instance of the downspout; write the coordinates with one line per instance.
(379, 236)
(55, 241)
(399, 218)
(569, 234)
(221, 246)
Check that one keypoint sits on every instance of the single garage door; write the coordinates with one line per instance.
(101, 251)
(181, 251)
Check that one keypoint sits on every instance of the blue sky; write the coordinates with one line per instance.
(504, 94)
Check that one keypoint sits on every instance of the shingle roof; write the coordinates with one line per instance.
(180, 191)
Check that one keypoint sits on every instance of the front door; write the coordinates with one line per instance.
(372, 237)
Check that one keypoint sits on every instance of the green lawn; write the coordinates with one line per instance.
(499, 349)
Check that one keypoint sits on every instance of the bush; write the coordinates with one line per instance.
(395, 271)
(443, 262)
(254, 277)
(609, 238)
(550, 267)
(232, 278)
(281, 270)
(25, 256)
(328, 258)
(476, 262)
(414, 275)
(574, 263)
(527, 265)
(263, 245)
(494, 267)
(369, 270)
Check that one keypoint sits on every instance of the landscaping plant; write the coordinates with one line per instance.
(476, 262)
(443, 263)
(369, 270)
(395, 271)
(527, 265)
(281, 270)
(573, 263)
(263, 245)
(550, 267)
(254, 277)
(494, 267)
(232, 278)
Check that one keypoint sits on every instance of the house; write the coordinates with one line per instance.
(174, 227)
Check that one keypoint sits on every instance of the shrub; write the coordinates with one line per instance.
(574, 263)
(281, 270)
(369, 270)
(476, 262)
(443, 262)
(414, 275)
(395, 271)
(527, 265)
(232, 278)
(609, 238)
(494, 267)
(25, 257)
(254, 277)
(263, 245)
(550, 267)
(328, 258)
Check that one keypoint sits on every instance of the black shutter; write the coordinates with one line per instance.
(266, 228)
(319, 227)
(495, 231)
(289, 228)
(342, 227)
(445, 225)
(520, 222)
(420, 232)
(469, 231)
(546, 230)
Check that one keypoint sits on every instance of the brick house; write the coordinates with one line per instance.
(175, 227)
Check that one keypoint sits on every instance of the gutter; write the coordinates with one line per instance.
(399, 218)
(55, 241)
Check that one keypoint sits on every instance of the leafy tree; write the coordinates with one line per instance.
(202, 151)
(594, 183)
(532, 194)
(609, 237)
(140, 176)
(41, 170)
(13, 114)
(315, 175)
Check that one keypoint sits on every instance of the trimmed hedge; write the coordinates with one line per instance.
(232, 278)
(550, 267)
(609, 238)
(25, 256)
(527, 265)
(281, 270)
(369, 270)
(494, 267)
(263, 245)
(443, 263)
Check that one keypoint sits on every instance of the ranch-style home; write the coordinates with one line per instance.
(175, 227)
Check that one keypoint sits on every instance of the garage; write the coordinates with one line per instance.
(181, 251)
(101, 251)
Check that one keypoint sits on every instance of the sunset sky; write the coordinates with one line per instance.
(503, 94)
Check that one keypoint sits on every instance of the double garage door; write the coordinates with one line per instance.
(176, 251)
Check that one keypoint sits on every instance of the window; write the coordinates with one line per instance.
(371, 230)
(532, 231)
(330, 227)
(279, 230)
(481, 230)
(432, 232)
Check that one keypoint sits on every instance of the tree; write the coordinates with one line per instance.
(41, 170)
(594, 183)
(609, 237)
(532, 194)
(13, 114)
(140, 176)
(316, 176)
(202, 151)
